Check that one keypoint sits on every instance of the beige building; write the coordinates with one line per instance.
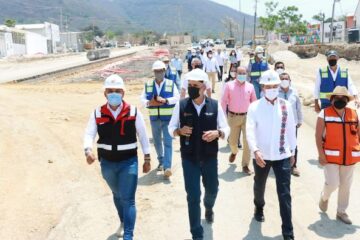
(179, 39)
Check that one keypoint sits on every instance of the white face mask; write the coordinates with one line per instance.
(233, 74)
(272, 93)
(285, 83)
(280, 71)
(259, 55)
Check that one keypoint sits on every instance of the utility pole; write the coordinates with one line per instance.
(61, 19)
(243, 33)
(255, 17)
(323, 26)
(332, 21)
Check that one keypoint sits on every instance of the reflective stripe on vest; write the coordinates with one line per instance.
(119, 147)
(255, 74)
(161, 111)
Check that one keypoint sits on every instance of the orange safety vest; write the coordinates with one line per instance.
(341, 142)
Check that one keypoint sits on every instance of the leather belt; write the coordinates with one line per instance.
(237, 114)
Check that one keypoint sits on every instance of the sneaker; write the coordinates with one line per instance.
(209, 216)
(295, 172)
(160, 167)
(167, 173)
(323, 205)
(120, 232)
(343, 217)
(239, 145)
(259, 214)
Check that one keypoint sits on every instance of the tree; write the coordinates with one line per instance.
(110, 35)
(94, 29)
(286, 20)
(319, 17)
(10, 22)
(290, 21)
(268, 23)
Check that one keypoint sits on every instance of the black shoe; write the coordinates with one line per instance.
(288, 237)
(160, 167)
(209, 215)
(239, 145)
(259, 214)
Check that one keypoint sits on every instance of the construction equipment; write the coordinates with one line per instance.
(98, 54)
(230, 42)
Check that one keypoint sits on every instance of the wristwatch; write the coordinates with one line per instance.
(87, 151)
(221, 134)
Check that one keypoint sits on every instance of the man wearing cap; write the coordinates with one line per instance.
(118, 123)
(160, 96)
(211, 67)
(328, 78)
(290, 94)
(237, 97)
(256, 68)
(196, 64)
(171, 72)
(270, 130)
(200, 122)
(337, 141)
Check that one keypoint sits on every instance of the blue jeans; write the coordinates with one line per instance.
(122, 179)
(192, 171)
(162, 141)
(257, 88)
(282, 170)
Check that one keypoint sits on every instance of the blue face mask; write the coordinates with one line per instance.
(114, 99)
(241, 78)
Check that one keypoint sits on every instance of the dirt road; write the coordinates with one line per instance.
(47, 191)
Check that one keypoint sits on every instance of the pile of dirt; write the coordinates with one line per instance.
(276, 46)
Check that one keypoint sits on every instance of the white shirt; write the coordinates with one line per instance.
(220, 59)
(239, 56)
(91, 130)
(351, 87)
(211, 65)
(221, 119)
(171, 100)
(263, 128)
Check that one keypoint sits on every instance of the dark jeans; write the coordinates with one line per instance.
(220, 74)
(296, 151)
(282, 170)
(122, 179)
(192, 171)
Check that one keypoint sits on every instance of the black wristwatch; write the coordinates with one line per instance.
(220, 133)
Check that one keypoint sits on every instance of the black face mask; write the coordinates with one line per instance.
(340, 103)
(193, 92)
(332, 62)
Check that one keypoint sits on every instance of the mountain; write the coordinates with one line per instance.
(198, 17)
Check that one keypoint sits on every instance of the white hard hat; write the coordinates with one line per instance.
(197, 75)
(158, 65)
(270, 77)
(259, 49)
(114, 81)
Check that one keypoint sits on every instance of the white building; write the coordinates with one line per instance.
(16, 42)
(357, 16)
(50, 31)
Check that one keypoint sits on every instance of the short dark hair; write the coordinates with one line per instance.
(285, 74)
(279, 62)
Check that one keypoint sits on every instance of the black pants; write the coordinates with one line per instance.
(282, 170)
(179, 72)
(296, 151)
(220, 74)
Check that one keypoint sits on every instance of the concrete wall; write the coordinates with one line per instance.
(36, 44)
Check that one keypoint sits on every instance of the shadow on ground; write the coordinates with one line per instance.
(332, 228)
(255, 232)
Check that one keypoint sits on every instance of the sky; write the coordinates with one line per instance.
(307, 8)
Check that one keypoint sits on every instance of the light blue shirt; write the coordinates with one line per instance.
(177, 63)
(292, 96)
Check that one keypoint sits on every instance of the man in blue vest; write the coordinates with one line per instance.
(171, 72)
(200, 122)
(330, 77)
(256, 68)
(160, 96)
(118, 123)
